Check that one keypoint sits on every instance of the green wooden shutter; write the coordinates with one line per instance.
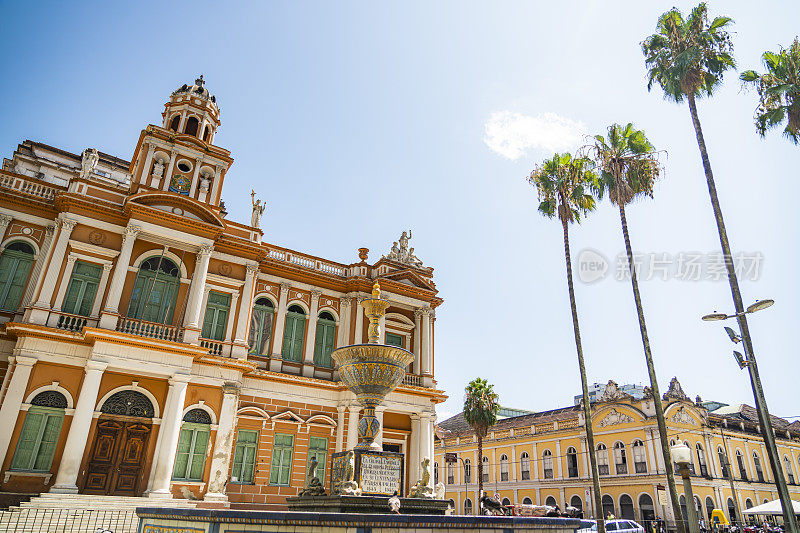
(82, 289)
(199, 454)
(323, 343)
(215, 321)
(293, 336)
(182, 454)
(137, 296)
(27, 444)
(288, 332)
(47, 446)
(281, 463)
(318, 447)
(238, 456)
(244, 456)
(14, 277)
(392, 339)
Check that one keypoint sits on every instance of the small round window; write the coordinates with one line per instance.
(184, 166)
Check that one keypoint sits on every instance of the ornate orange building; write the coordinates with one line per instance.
(150, 346)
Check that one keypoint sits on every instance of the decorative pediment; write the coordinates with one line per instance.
(675, 391)
(321, 420)
(410, 277)
(614, 418)
(288, 416)
(176, 205)
(253, 411)
(612, 393)
(681, 416)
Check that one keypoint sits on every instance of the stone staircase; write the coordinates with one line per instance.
(80, 513)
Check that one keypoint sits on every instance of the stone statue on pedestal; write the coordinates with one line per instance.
(89, 160)
(421, 488)
(313, 484)
(258, 210)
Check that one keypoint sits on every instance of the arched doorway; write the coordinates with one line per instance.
(647, 510)
(117, 457)
(626, 507)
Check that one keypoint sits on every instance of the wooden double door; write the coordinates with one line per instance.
(116, 463)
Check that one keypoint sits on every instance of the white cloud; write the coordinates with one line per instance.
(512, 134)
(443, 415)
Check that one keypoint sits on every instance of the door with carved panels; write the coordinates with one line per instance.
(117, 458)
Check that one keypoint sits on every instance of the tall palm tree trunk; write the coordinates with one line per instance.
(480, 476)
(648, 356)
(587, 413)
(755, 381)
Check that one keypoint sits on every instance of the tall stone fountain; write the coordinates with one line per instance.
(364, 478)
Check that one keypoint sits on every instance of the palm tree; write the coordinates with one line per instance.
(629, 167)
(481, 405)
(778, 91)
(687, 59)
(563, 183)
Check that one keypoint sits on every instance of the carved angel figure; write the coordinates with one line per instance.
(89, 160)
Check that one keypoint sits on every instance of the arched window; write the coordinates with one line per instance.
(710, 506)
(748, 503)
(40, 431)
(192, 124)
(551, 501)
(701, 459)
(207, 133)
(325, 340)
(626, 507)
(155, 291)
(506, 501)
(691, 463)
(467, 506)
(608, 505)
(215, 320)
(547, 462)
(128, 403)
(684, 510)
(527, 501)
(504, 467)
(467, 471)
(602, 460)
(698, 507)
(293, 334)
(525, 465)
(639, 460)
(451, 474)
(261, 327)
(176, 121)
(646, 509)
(740, 464)
(572, 462)
(620, 459)
(723, 462)
(732, 510)
(485, 469)
(436, 473)
(16, 262)
(576, 502)
(787, 464)
(190, 457)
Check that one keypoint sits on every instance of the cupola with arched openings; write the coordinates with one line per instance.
(193, 110)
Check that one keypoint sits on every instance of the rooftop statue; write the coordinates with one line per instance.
(258, 210)
(403, 253)
(89, 159)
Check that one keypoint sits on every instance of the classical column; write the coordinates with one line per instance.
(340, 409)
(144, 178)
(426, 347)
(41, 258)
(559, 460)
(245, 306)
(379, 410)
(223, 444)
(108, 319)
(168, 173)
(231, 315)
(42, 306)
(311, 336)
(413, 450)
(343, 338)
(79, 430)
(280, 321)
(425, 440)
(535, 460)
(196, 175)
(382, 330)
(359, 320)
(168, 435)
(5, 220)
(101, 289)
(12, 401)
(585, 458)
(215, 186)
(194, 304)
(417, 339)
(352, 426)
(514, 465)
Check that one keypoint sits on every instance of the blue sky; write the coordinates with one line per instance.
(357, 120)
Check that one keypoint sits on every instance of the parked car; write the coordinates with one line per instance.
(623, 526)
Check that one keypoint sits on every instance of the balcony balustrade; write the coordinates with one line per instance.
(151, 330)
(69, 322)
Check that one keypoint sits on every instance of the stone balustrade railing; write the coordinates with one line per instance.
(28, 186)
(304, 261)
(150, 330)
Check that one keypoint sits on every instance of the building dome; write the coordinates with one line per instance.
(197, 89)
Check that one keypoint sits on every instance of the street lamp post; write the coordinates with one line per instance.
(682, 456)
(765, 422)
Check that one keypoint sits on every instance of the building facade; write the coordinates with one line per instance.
(543, 458)
(150, 346)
